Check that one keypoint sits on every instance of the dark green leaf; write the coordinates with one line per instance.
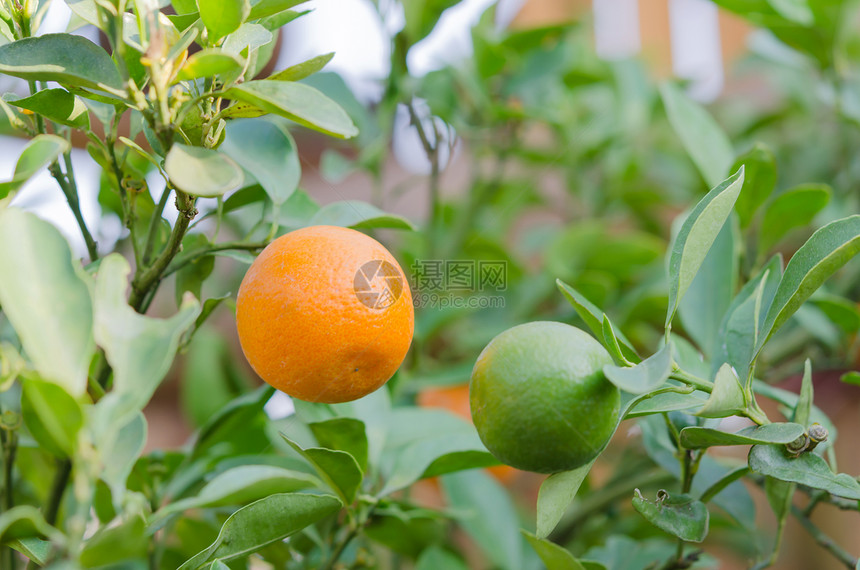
(64, 58)
(610, 341)
(700, 437)
(264, 522)
(46, 298)
(679, 515)
(202, 171)
(338, 469)
(648, 375)
(36, 549)
(665, 402)
(827, 250)
(723, 482)
(791, 209)
(295, 101)
(696, 236)
(809, 469)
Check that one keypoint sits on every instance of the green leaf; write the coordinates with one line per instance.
(421, 17)
(119, 438)
(266, 8)
(791, 209)
(852, 378)
(827, 250)
(201, 171)
(696, 236)
(593, 318)
(435, 558)
(555, 495)
(304, 69)
(37, 550)
(64, 58)
(247, 39)
(139, 349)
(759, 181)
(46, 298)
(343, 434)
(124, 541)
(803, 408)
(700, 437)
(239, 485)
(419, 438)
(649, 374)
(678, 514)
(809, 469)
(610, 341)
(209, 63)
(664, 402)
(710, 294)
(704, 140)
(57, 105)
(267, 152)
(727, 398)
(553, 556)
(789, 402)
(338, 469)
(222, 17)
(295, 101)
(53, 417)
(741, 324)
(25, 521)
(264, 522)
(359, 215)
(797, 11)
(487, 515)
(41, 151)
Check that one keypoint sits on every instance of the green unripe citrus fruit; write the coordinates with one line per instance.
(540, 400)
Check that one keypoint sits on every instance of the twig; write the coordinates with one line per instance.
(824, 540)
(58, 488)
(179, 263)
(144, 282)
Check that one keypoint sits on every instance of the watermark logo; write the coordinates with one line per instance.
(459, 283)
(377, 284)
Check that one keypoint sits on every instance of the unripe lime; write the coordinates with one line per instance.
(540, 400)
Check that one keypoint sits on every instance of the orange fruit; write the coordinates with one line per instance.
(325, 314)
(540, 400)
(455, 399)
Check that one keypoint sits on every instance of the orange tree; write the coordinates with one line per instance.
(177, 97)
